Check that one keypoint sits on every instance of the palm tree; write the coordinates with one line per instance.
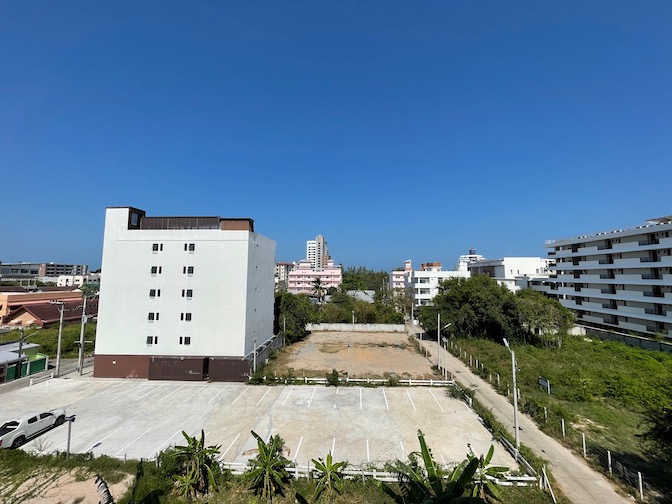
(330, 476)
(318, 288)
(198, 466)
(268, 471)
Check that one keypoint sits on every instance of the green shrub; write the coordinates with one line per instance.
(332, 378)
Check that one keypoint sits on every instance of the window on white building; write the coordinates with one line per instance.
(152, 340)
(185, 340)
(157, 247)
(154, 293)
(185, 316)
(151, 316)
(189, 247)
(188, 293)
(188, 270)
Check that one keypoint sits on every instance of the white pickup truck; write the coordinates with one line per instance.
(24, 428)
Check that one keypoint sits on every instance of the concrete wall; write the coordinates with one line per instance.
(357, 327)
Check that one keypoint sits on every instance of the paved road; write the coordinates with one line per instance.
(580, 483)
(68, 367)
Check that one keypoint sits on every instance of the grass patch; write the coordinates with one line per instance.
(48, 339)
(600, 388)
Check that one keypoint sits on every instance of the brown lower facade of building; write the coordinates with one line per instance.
(170, 367)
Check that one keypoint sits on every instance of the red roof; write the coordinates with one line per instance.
(50, 313)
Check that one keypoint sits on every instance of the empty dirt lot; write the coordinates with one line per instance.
(358, 354)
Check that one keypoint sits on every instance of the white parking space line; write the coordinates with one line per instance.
(192, 395)
(437, 401)
(296, 454)
(311, 397)
(385, 397)
(262, 397)
(290, 391)
(403, 450)
(150, 391)
(217, 394)
(129, 444)
(333, 447)
(410, 399)
(168, 395)
(52, 433)
(241, 395)
(360, 398)
(227, 450)
(368, 454)
(99, 442)
(166, 441)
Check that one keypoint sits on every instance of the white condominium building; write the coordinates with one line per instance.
(619, 280)
(317, 253)
(424, 283)
(508, 270)
(184, 298)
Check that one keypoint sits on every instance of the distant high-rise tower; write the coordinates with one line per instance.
(317, 253)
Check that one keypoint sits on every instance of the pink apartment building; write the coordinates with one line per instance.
(300, 279)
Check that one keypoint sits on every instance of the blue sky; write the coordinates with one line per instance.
(398, 130)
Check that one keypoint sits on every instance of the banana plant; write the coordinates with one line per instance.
(485, 479)
(330, 476)
(428, 483)
(268, 470)
(198, 466)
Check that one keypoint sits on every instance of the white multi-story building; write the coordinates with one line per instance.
(317, 253)
(619, 280)
(183, 298)
(280, 275)
(424, 283)
(300, 279)
(508, 270)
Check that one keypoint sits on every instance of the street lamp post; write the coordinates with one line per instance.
(515, 398)
(438, 343)
(69, 419)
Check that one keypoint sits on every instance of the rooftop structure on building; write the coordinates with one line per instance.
(618, 280)
(184, 298)
(465, 260)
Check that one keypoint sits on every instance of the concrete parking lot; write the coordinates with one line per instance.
(138, 418)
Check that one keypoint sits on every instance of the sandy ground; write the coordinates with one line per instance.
(359, 354)
(64, 488)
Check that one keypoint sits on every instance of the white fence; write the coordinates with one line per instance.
(298, 471)
(362, 381)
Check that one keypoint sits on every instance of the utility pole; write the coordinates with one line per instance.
(60, 337)
(80, 361)
(18, 368)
